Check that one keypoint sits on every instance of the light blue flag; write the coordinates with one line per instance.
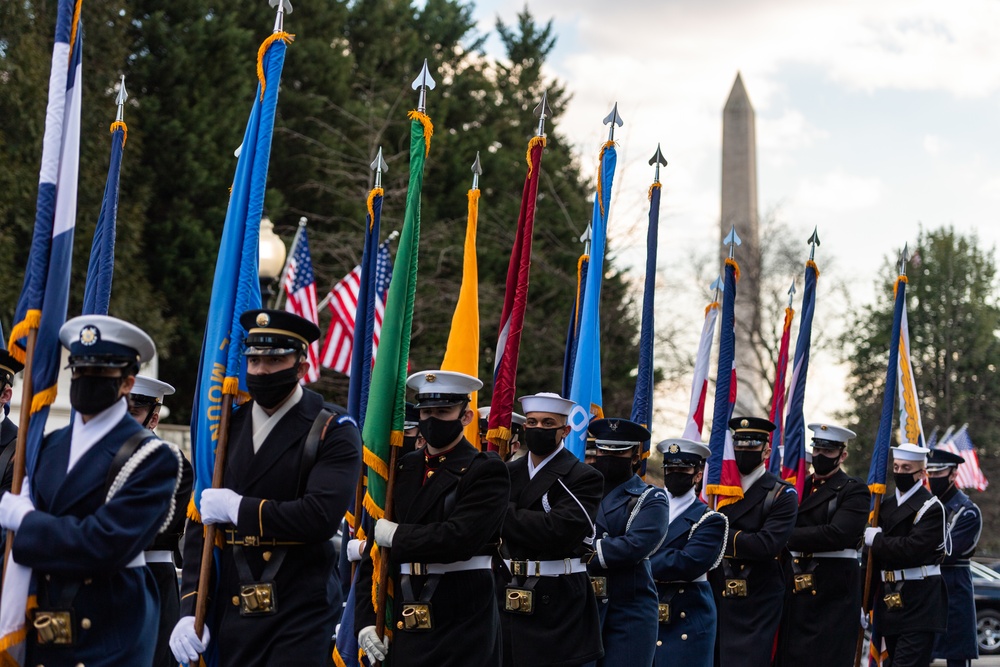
(586, 390)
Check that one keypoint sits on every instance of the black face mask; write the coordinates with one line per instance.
(541, 441)
(440, 433)
(747, 462)
(409, 445)
(677, 483)
(904, 481)
(939, 485)
(91, 394)
(272, 388)
(616, 470)
(824, 465)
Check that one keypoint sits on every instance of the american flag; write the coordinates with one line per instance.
(300, 290)
(343, 304)
(970, 476)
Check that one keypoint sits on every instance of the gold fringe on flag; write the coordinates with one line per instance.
(32, 320)
(425, 120)
(811, 264)
(712, 306)
(736, 267)
(600, 164)
(895, 287)
(192, 511)
(76, 25)
(498, 435)
(43, 399)
(376, 192)
(396, 440)
(120, 125)
(231, 386)
(535, 141)
(649, 195)
(375, 463)
(287, 38)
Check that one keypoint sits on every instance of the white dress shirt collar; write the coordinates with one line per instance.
(903, 497)
(533, 469)
(86, 435)
(746, 481)
(679, 505)
(263, 423)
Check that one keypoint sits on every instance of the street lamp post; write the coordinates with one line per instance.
(271, 260)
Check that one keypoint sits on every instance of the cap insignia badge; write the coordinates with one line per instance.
(823, 427)
(89, 335)
(745, 423)
(430, 377)
(263, 319)
(613, 426)
(674, 448)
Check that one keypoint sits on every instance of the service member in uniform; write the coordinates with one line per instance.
(9, 367)
(450, 500)
(548, 611)
(908, 545)
(959, 645)
(631, 523)
(749, 585)
(516, 450)
(290, 473)
(102, 488)
(145, 405)
(695, 540)
(824, 575)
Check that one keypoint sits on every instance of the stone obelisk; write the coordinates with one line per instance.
(739, 208)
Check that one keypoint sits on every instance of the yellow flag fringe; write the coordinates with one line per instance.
(535, 141)
(120, 125)
(287, 38)
(895, 287)
(736, 267)
(600, 163)
(649, 195)
(712, 306)
(76, 25)
(376, 192)
(43, 399)
(811, 264)
(425, 120)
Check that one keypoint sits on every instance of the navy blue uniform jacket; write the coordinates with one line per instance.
(965, 523)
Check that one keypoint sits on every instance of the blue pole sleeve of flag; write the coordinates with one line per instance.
(883, 440)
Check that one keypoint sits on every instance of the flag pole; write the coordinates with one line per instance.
(20, 447)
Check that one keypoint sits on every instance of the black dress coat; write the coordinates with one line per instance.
(904, 543)
(8, 439)
(453, 516)
(832, 517)
(747, 625)
(549, 518)
(273, 509)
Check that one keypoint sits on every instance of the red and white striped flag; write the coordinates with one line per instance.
(343, 304)
(970, 476)
(699, 385)
(300, 290)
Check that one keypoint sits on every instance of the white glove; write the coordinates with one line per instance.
(354, 550)
(870, 534)
(384, 530)
(369, 642)
(184, 643)
(220, 506)
(864, 619)
(13, 509)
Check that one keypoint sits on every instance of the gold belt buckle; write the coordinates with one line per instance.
(417, 616)
(54, 627)
(600, 586)
(890, 577)
(257, 599)
(663, 613)
(519, 568)
(418, 569)
(735, 588)
(893, 601)
(251, 541)
(519, 600)
(803, 582)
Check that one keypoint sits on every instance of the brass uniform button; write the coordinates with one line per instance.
(684, 636)
(266, 556)
(681, 591)
(683, 614)
(399, 625)
(80, 664)
(659, 643)
(236, 600)
(85, 623)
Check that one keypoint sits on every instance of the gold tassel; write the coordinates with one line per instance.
(375, 463)
(714, 304)
(736, 267)
(649, 195)
(600, 163)
(498, 435)
(396, 440)
(376, 192)
(32, 320)
(895, 287)
(287, 38)
(43, 399)
(192, 511)
(425, 120)
(812, 265)
(535, 141)
(231, 386)
(120, 125)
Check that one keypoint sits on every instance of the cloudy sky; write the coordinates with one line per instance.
(872, 117)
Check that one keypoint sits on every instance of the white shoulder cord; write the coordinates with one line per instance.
(133, 463)
(945, 535)
(725, 533)
(593, 529)
(635, 513)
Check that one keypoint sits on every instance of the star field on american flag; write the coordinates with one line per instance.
(300, 288)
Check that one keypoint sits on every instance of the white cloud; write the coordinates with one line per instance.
(934, 144)
(839, 191)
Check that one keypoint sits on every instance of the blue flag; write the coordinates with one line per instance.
(100, 271)
(573, 330)
(793, 466)
(642, 403)
(586, 389)
(880, 453)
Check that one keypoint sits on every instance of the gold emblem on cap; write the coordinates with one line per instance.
(745, 423)
(613, 426)
(823, 427)
(88, 335)
(674, 448)
(430, 377)
(263, 319)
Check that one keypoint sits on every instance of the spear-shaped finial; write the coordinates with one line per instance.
(658, 160)
(302, 221)
(284, 7)
(477, 171)
(791, 293)
(904, 257)
(423, 83)
(813, 242)
(120, 101)
(585, 239)
(718, 286)
(732, 240)
(614, 118)
(543, 111)
(379, 167)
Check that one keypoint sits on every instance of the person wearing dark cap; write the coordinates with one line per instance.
(9, 367)
(958, 645)
(908, 546)
(290, 473)
(631, 522)
(412, 440)
(102, 488)
(749, 585)
(145, 405)
(450, 500)
(823, 585)
(696, 537)
(548, 610)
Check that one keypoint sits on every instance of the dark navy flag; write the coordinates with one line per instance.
(793, 466)
(880, 453)
(573, 330)
(642, 403)
(100, 271)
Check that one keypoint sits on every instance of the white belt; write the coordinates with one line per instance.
(911, 573)
(474, 563)
(138, 561)
(545, 568)
(843, 553)
(159, 556)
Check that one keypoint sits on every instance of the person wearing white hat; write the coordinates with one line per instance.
(145, 406)
(516, 449)
(450, 499)
(908, 547)
(100, 490)
(548, 609)
(823, 586)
